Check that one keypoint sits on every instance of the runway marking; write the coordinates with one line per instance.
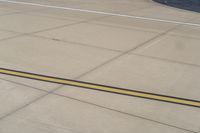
(101, 12)
(98, 87)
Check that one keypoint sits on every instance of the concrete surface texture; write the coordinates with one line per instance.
(133, 44)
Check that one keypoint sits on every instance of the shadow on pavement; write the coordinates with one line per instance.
(192, 5)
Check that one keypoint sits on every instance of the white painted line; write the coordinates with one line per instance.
(100, 12)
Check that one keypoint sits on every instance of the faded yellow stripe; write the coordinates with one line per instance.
(102, 88)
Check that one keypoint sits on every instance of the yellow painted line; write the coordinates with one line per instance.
(98, 87)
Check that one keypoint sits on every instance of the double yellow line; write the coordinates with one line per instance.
(98, 87)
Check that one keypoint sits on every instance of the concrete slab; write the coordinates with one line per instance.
(150, 75)
(43, 56)
(154, 111)
(5, 34)
(56, 3)
(70, 117)
(13, 96)
(188, 31)
(67, 14)
(27, 23)
(95, 46)
(176, 48)
(18, 7)
(4, 11)
(101, 36)
(114, 7)
(138, 24)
